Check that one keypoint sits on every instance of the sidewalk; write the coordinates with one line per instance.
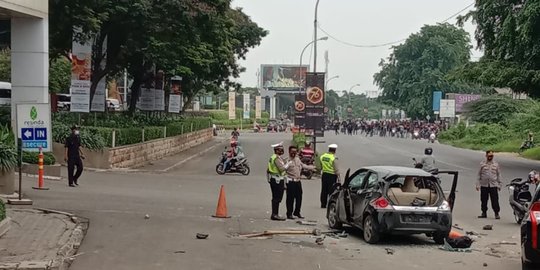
(40, 240)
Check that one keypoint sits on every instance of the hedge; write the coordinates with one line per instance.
(33, 158)
(97, 138)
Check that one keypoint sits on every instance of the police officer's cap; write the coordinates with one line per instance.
(332, 146)
(277, 145)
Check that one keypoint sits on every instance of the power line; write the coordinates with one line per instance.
(388, 43)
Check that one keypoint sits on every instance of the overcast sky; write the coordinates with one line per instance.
(363, 22)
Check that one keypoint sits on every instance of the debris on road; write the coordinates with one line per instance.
(202, 235)
(505, 243)
(448, 247)
(456, 226)
(485, 265)
(320, 240)
(307, 222)
(315, 232)
(180, 252)
(488, 227)
(147, 216)
(389, 251)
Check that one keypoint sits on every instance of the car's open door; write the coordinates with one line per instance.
(451, 195)
(347, 197)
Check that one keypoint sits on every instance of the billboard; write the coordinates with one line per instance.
(448, 108)
(315, 96)
(462, 99)
(283, 77)
(437, 96)
(81, 71)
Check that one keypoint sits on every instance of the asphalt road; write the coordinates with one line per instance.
(180, 204)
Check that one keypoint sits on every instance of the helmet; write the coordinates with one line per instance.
(532, 175)
(428, 151)
(234, 143)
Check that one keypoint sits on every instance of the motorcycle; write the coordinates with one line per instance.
(416, 135)
(238, 164)
(526, 145)
(432, 138)
(394, 131)
(520, 197)
(308, 161)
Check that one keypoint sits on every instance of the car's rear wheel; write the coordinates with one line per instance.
(528, 266)
(371, 235)
(439, 237)
(333, 220)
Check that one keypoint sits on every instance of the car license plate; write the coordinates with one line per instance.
(415, 218)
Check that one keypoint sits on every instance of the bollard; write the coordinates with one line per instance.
(113, 138)
(143, 134)
(165, 132)
(40, 171)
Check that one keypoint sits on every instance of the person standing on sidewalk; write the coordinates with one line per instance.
(489, 184)
(74, 156)
(330, 173)
(276, 177)
(294, 186)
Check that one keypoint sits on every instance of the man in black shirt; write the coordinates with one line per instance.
(74, 156)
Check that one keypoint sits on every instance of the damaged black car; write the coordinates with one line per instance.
(384, 200)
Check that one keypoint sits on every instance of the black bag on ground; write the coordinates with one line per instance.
(460, 242)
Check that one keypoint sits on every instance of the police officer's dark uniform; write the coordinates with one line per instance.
(330, 173)
(73, 156)
(276, 178)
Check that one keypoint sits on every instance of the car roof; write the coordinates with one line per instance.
(387, 171)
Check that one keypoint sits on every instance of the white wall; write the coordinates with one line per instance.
(29, 61)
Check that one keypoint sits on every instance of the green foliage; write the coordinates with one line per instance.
(5, 115)
(8, 157)
(299, 139)
(509, 35)
(419, 66)
(59, 75)
(5, 65)
(533, 153)
(7, 136)
(2, 210)
(91, 138)
(495, 109)
(33, 158)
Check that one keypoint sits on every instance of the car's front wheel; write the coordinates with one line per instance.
(439, 237)
(528, 266)
(371, 235)
(333, 220)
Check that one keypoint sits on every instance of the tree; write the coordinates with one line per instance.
(495, 109)
(508, 31)
(5, 65)
(419, 66)
(59, 75)
(198, 40)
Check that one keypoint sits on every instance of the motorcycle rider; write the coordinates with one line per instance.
(235, 134)
(231, 154)
(428, 161)
(534, 178)
(307, 152)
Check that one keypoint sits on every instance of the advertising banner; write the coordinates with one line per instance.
(147, 99)
(283, 77)
(300, 110)
(437, 96)
(246, 106)
(384, 114)
(448, 108)
(159, 100)
(81, 71)
(258, 107)
(462, 99)
(315, 103)
(100, 96)
(232, 105)
(175, 103)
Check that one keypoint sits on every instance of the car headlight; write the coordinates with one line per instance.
(445, 206)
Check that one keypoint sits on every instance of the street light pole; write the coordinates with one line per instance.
(315, 24)
(327, 81)
(350, 91)
(302, 54)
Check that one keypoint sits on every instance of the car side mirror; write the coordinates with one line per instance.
(347, 174)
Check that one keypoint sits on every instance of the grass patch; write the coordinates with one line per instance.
(533, 153)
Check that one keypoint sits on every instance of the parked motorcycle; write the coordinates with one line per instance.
(526, 145)
(520, 197)
(239, 164)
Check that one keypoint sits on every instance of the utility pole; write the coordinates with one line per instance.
(315, 24)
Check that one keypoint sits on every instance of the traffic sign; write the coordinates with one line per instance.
(33, 126)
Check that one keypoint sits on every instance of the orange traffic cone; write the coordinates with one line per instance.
(453, 234)
(221, 210)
